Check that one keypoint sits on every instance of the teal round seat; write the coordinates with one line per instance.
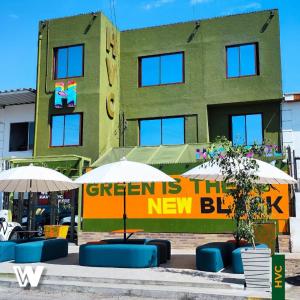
(237, 264)
(213, 257)
(38, 251)
(118, 255)
(7, 250)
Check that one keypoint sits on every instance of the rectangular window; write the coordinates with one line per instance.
(66, 130)
(21, 136)
(242, 60)
(161, 69)
(247, 129)
(165, 131)
(68, 62)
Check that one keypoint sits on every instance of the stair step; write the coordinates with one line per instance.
(142, 290)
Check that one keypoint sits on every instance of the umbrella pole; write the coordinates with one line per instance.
(124, 212)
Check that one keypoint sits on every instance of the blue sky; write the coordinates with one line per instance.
(19, 22)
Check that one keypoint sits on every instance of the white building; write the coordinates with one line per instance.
(16, 125)
(291, 128)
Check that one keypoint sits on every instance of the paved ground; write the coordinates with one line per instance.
(180, 269)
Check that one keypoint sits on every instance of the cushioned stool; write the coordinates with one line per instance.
(7, 250)
(213, 257)
(41, 250)
(118, 255)
(167, 243)
(237, 264)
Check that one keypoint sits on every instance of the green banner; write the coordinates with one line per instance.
(278, 277)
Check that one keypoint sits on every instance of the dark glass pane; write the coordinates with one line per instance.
(233, 62)
(61, 63)
(31, 135)
(238, 130)
(18, 140)
(150, 71)
(247, 60)
(72, 130)
(150, 132)
(75, 62)
(57, 131)
(172, 131)
(171, 68)
(254, 129)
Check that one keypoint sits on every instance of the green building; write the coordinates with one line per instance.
(155, 94)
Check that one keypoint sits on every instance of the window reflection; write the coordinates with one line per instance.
(247, 129)
(165, 131)
(66, 130)
(68, 61)
(161, 69)
(242, 60)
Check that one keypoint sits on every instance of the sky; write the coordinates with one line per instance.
(19, 24)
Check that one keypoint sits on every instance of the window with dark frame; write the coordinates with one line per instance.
(66, 130)
(161, 69)
(68, 62)
(21, 137)
(162, 131)
(247, 129)
(242, 60)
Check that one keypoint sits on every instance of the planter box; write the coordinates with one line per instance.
(257, 268)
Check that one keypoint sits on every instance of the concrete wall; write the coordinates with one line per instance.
(205, 70)
(291, 128)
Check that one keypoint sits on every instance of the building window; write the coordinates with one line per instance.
(247, 129)
(21, 136)
(68, 62)
(165, 131)
(161, 69)
(66, 130)
(242, 60)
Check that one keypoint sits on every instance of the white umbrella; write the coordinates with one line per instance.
(266, 173)
(124, 171)
(34, 179)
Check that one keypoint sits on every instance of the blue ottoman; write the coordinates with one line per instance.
(118, 255)
(7, 250)
(41, 250)
(237, 264)
(213, 257)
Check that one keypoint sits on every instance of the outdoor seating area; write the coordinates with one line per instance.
(33, 250)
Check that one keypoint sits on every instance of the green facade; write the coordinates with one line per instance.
(205, 74)
(99, 131)
(206, 98)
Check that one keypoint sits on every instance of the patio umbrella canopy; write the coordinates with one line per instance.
(124, 171)
(266, 173)
(34, 179)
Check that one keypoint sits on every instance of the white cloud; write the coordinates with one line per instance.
(13, 16)
(244, 8)
(156, 4)
(194, 2)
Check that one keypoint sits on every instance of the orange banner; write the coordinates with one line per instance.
(183, 199)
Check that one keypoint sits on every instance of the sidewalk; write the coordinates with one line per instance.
(64, 279)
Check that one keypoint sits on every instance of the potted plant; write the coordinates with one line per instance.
(248, 206)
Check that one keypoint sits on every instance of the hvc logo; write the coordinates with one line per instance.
(28, 275)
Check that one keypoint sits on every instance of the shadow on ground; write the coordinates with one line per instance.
(293, 280)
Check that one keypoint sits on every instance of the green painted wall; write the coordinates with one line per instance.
(219, 119)
(99, 131)
(205, 69)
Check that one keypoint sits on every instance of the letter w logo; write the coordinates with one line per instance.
(28, 275)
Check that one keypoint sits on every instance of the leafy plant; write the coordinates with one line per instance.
(239, 171)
